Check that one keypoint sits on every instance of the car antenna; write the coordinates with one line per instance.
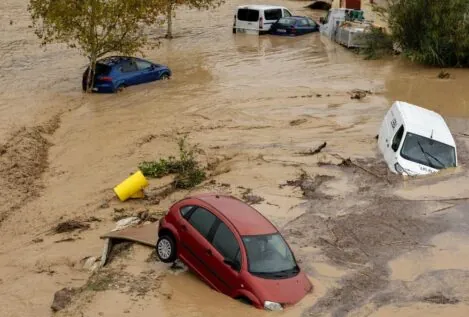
(431, 136)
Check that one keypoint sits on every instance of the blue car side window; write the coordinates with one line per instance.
(302, 22)
(128, 67)
(143, 65)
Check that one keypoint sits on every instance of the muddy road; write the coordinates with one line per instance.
(372, 244)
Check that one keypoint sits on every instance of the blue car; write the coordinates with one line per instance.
(117, 72)
(295, 25)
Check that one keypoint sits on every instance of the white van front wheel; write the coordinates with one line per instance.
(234, 30)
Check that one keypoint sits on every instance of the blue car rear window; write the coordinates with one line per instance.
(102, 69)
(287, 21)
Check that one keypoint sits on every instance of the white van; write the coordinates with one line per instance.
(257, 19)
(416, 141)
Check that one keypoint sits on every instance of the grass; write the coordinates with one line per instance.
(188, 171)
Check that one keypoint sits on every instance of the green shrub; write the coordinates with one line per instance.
(433, 32)
(378, 44)
(188, 171)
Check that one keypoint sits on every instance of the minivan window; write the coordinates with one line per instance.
(396, 141)
(248, 15)
(428, 152)
(273, 14)
(286, 13)
(225, 242)
(202, 220)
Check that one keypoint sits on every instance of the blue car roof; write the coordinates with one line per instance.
(297, 17)
(113, 60)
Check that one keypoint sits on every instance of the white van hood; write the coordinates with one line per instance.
(425, 122)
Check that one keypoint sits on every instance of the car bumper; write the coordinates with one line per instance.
(250, 31)
(108, 88)
(101, 87)
(282, 34)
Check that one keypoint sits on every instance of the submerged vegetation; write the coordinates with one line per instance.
(188, 171)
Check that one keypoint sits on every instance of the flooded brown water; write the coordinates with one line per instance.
(236, 96)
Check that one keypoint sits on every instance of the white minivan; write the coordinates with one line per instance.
(257, 19)
(416, 141)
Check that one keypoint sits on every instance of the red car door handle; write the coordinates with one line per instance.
(183, 227)
(209, 252)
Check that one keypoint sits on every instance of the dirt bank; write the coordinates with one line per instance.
(24, 157)
(257, 105)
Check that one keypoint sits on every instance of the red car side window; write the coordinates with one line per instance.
(185, 210)
(225, 242)
(202, 220)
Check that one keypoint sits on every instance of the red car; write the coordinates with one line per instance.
(234, 249)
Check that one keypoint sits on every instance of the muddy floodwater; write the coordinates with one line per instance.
(372, 244)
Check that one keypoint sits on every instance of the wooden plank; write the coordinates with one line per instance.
(146, 234)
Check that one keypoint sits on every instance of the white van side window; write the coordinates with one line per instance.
(286, 13)
(248, 15)
(273, 14)
(396, 141)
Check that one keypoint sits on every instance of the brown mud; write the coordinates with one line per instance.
(373, 244)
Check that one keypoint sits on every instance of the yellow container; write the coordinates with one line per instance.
(132, 186)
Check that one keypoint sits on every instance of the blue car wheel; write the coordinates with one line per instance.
(164, 76)
(120, 88)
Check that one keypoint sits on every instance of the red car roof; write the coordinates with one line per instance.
(247, 220)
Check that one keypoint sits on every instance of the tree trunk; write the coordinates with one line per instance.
(91, 73)
(169, 17)
(93, 54)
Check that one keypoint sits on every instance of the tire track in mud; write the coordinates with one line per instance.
(363, 232)
(370, 239)
(23, 159)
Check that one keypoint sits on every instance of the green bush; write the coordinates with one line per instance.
(433, 32)
(187, 169)
(377, 44)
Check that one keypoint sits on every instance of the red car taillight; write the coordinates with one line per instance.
(105, 78)
(261, 23)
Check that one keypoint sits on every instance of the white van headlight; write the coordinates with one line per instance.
(272, 306)
(399, 168)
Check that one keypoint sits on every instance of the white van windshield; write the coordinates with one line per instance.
(273, 14)
(248, 15)
(428, 152)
